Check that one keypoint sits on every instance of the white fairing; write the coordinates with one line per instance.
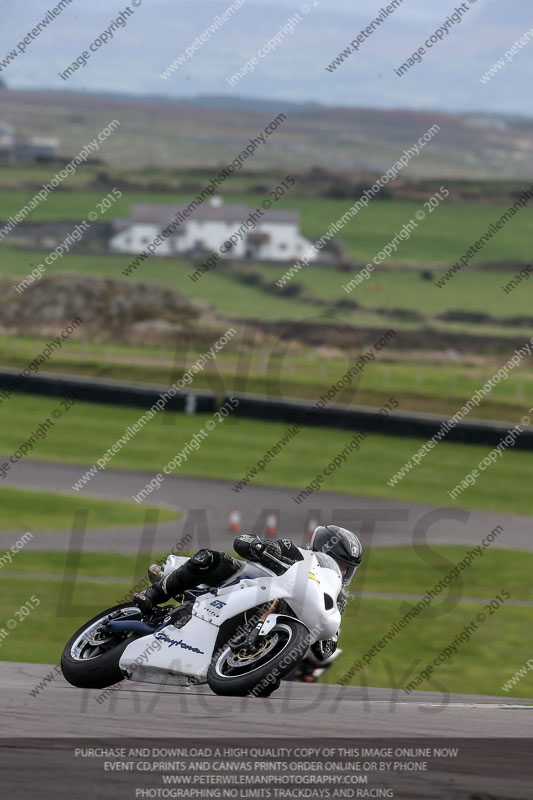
(182, 655)
(173, 562)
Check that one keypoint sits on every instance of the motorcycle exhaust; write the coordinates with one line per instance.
(130, 626)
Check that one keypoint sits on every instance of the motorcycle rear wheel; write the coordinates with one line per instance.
(90, 660)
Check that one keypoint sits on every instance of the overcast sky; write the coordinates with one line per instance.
(160, 30)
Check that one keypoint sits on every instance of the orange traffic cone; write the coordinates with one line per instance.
(235, 521)
(311, 525)
(271, 524)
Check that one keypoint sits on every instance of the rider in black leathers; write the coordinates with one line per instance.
(212, 567)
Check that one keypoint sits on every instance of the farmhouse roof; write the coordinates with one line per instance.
(230, 213)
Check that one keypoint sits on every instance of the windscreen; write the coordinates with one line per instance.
(328, 562)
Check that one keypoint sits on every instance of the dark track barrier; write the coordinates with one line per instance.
(120, 393)
(362, 418)
(351, 418)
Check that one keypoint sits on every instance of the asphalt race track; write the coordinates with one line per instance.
(39, 734)
(296, 709)
(207, 505)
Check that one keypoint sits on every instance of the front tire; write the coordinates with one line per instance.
(90, 659)
(258, 674)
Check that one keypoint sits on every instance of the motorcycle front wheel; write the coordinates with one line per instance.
(258, 672)
(91, 656)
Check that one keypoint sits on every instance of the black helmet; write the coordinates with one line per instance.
(342, 545)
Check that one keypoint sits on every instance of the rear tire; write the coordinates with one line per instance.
(260, 674)
(90, 666)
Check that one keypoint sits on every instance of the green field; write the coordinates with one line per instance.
(232, 299)
(29, 510)
(440, 239)
(479, 667)
(405, 289)
(385, 292)
(400, 570)
(429, 387)
(234, 446)
(18, 176)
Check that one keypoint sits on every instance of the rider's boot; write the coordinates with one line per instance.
(173, 584)
(155, 573)
(205, 567)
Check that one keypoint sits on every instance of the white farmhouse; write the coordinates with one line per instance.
(266, 236)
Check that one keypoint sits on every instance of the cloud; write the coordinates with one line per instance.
(132, 62)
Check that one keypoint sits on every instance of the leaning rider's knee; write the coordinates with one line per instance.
(203, 560)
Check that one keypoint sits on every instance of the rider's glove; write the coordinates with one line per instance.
(270, 548)
(146, 600)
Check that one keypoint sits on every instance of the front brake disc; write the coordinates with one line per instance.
(241, 657)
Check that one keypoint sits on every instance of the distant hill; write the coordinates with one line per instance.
(213, 130)
(208, 101)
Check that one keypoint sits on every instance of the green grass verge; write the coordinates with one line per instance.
(404, 570)
(481, 666)
(429, 387)
(41, 636)
(234, 446)
(120, 566)
(385, 569)
(29, 510)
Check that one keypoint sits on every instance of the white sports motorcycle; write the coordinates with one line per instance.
(241, 638)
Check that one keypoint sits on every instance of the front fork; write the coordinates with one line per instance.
(254, 634)
(249, 641)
